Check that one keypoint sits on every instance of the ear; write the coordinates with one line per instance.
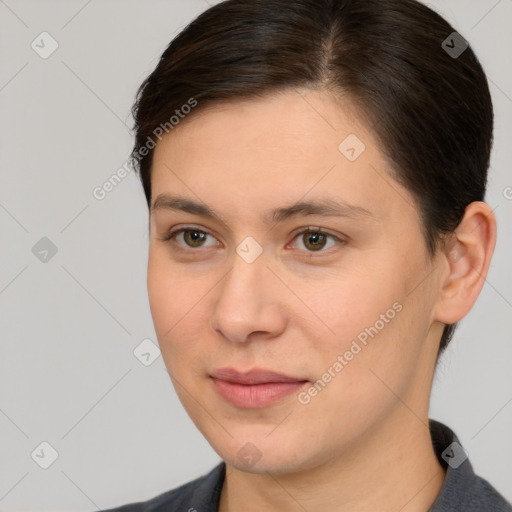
(466, 257)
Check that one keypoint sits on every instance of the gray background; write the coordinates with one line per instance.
(70, 325)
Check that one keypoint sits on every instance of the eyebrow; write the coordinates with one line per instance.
(324, 207)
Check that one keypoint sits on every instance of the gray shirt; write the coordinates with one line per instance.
(462, 489)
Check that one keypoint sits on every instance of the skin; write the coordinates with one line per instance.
(362, 443)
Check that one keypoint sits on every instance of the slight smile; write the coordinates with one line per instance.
(256, 388)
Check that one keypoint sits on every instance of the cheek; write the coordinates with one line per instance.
(379, 333)
(173, 289)
(352, 304)
(370, 328)
(163, 294)
(177, 302)
(169, 297)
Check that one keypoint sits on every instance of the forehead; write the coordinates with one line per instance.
(292, 124)
(275, 150)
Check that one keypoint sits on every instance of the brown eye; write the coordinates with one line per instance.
(314, 241)
(193, 237)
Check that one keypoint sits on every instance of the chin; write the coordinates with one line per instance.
(260, 455)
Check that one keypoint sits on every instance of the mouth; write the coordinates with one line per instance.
(256, 388)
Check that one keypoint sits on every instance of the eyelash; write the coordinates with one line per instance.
(310, 229)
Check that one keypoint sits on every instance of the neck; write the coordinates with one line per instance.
(394, 468)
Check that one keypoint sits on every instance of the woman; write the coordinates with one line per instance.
(315, 173)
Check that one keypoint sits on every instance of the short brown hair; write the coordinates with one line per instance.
(430, 108)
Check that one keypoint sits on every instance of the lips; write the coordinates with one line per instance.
(256, 388)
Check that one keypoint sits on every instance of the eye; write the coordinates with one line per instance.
(316, 240)
(191, 237)
(312, 239)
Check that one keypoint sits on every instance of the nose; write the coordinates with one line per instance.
(247, 302)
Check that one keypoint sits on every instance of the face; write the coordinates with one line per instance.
(332, 295)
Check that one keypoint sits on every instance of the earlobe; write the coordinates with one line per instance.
(466, 255)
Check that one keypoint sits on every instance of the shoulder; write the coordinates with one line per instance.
(201, 494)
(483, 496)
(462, 488)
(475, 495)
